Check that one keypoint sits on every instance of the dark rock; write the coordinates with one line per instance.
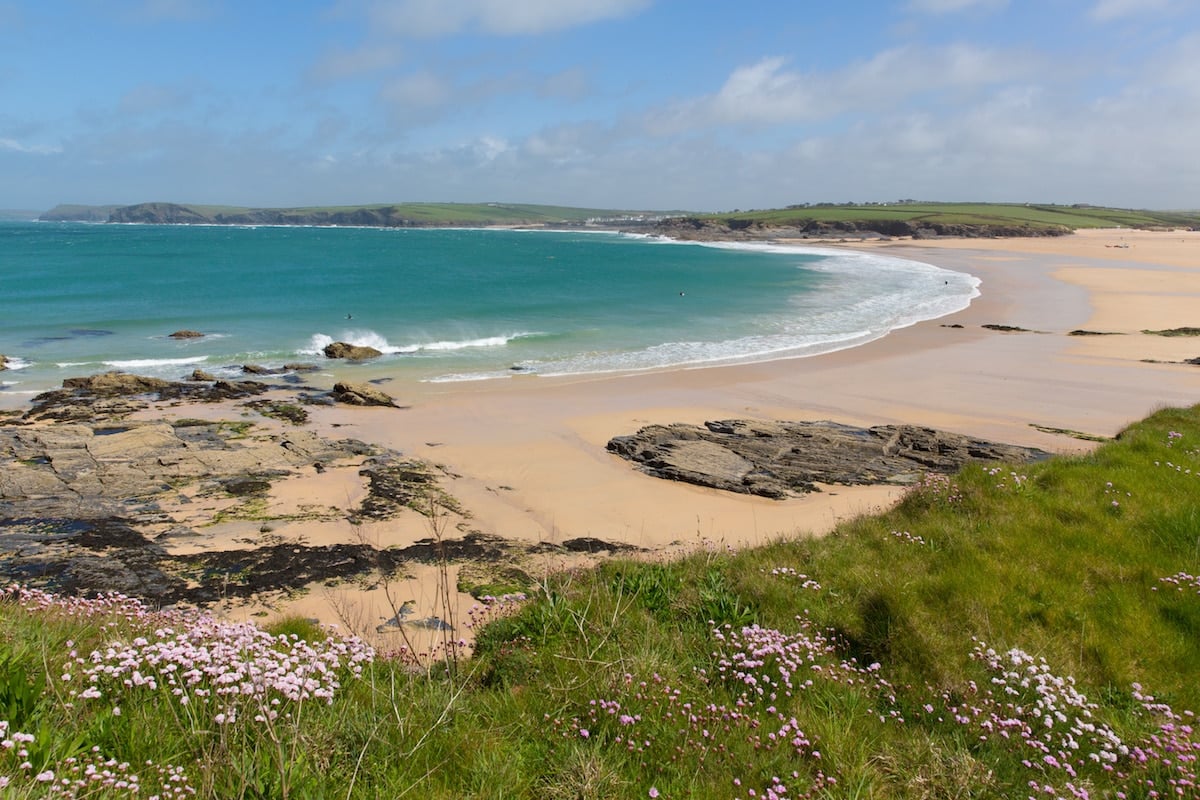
(246, 485)
(1005, 328)
(590, 544)
(1184, 331)
(200, 375)
(3, 363)
(393, 485)
(186, 334)
(1082, 332)
(784, 459)
(255, 369)
(116, 383)
(301, 367)
(359, 394)
(350, 351)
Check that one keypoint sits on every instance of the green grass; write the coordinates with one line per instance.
(1035, 217)
(629, 679)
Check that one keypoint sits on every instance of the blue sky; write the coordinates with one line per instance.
(653, 104)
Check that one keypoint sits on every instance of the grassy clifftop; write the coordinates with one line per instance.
(947, 219)
(1002, 633)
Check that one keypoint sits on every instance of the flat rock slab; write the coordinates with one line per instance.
(788, 459)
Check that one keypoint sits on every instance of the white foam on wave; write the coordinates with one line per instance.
(863, 297)
(320, 341)
(16, 362)
(151, 363)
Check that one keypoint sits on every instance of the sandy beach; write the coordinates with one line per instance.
(526, 456)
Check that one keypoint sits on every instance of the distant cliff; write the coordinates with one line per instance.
(77, 213)
(175, 214)
(394, 215)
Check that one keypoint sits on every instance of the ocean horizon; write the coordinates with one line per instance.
(442, 305)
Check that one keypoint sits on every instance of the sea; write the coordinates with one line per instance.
(442, 305)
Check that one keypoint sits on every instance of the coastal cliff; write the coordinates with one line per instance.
(733, 228)
(906, 219)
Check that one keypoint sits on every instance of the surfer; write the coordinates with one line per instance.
(349, 316)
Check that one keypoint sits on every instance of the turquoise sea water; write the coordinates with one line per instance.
(443, 305)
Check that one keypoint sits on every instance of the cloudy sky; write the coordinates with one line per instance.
(651, 104)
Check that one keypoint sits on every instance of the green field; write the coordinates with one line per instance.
(1005, 632)
(1026, 215)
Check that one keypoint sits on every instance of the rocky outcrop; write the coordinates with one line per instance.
(3, 363)
(115, 395)
(352, 352)
(360, 394)
(186, 334)
(786, 459)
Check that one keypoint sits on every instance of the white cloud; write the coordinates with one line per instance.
(418, 91)
(13, 146)
(570, 84)
(1109, 10)
(950, 6)
(338, 64)
(148, 98)
(502, 17)
(766, 93)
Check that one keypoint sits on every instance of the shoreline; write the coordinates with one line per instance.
(527, 456)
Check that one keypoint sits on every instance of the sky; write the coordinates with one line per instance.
(699, 105)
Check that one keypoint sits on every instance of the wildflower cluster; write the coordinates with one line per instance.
(1113, 492)
(936, 489)
(1169, 754)
(86, 776)
(1182, 470)
(111, 606)
(654, 722)
(1045, 710)
(769, 665)
(1013, 480)
(1173, 437)
(1182, 581)
(229, 667)
(799, 577)
(1046, 719)
(910, 538)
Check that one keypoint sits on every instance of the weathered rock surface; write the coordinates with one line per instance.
(186, 334)
(114, 395)
(353, 352)
(785, 459)
(3, 363)
(81, 506)
(360, 394)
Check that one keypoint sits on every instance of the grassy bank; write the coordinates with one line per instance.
(1032, 218)
(1004, 633)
